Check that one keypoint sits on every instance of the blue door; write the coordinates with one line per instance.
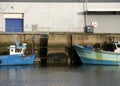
(14, 25)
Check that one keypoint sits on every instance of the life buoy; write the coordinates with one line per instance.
(94, 24)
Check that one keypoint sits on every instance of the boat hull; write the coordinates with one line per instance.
(16, 59)
(89, 56)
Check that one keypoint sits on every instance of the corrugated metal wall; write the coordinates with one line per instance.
(59, 0)
(55, 17)
(106, 23)
(64, 17)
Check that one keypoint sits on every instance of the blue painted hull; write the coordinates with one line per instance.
(89, 56)
(16, 59)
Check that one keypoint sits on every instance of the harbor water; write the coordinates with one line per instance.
(60, 75)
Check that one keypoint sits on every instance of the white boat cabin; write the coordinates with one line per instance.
(13, 49)
(117, 47)
(17, 49)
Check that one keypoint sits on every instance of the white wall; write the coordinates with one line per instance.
(107, 6)
(50, 16)
(54, 17)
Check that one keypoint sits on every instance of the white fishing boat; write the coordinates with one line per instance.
(91, 56)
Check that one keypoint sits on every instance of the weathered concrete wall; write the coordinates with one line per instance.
(62, 40)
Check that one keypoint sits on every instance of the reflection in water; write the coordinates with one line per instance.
(60, 75)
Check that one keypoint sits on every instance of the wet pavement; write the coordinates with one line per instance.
(60, 75)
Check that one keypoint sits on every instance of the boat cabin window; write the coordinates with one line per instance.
(118, 45)
(11, 50)
(24, 50)
(18, 50)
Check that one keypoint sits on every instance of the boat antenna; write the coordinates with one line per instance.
(85, 12)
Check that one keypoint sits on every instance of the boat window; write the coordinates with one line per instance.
(18, 50)
(24, 50)
(11, 50)
(118, 45)
(114, 47)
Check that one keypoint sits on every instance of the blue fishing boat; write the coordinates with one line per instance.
(16, 55)
(91, 56)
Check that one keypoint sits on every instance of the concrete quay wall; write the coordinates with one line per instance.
(57, 43)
